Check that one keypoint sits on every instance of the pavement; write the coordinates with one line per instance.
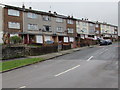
(60, 53)
(95, 67)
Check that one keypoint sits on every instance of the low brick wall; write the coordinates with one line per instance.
(13, 52)
(16, 52)
(34, 51)
(66, 46)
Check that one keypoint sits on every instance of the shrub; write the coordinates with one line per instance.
(15, 39)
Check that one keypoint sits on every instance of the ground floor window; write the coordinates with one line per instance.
(65, 39)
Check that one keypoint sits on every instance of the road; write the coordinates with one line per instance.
(88, 68)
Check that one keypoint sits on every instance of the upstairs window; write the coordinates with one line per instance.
(70, 30)
(47, 28)
(32, 27)
(91, 24)
(70, 21)
(84, 24)
(59, 29)
(13, 25)
(13, 12)
(84, 30)
(31, 15)
(96, 25)
(46, 18)
(59, 20)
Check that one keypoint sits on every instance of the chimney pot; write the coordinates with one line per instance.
(30, 7)
(23, 6)
(49, 11)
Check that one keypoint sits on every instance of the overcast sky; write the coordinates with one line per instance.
(95, 11)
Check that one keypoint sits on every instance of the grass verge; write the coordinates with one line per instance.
(9, 65)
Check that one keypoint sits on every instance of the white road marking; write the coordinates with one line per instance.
(103, 51)
(90, 58)
(23, 87)
(67, 71)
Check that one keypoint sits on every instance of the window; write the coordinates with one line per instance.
(11, 35)
(71, 39)
(107, 27)
(13, 12)
(70, 21)
(39, 39)
(59, 29)
(47, 38)
(46, 18)
(47, 28)
(103, 26)
(84, 30)
(14, 25)
(84, 24)
(65, 39)
(91, 31)
(97, 25)
(91, 24)
(59, 20)
(31, 15)
(70, 30)
(32, 27)
(78, 23)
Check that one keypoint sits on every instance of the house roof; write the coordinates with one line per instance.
(54, 15)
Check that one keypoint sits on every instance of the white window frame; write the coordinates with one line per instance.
(71, 39)
(14, 25)
(39, 38)
(47, 38)
(70, 30)
(70, 21)
(46, 18)
(66, 39)
(32, 26)
(13, 12)
(59, 20)
(59, 29)
(31, 15)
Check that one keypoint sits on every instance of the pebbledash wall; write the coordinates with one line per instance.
(1, 24)
(38, 34)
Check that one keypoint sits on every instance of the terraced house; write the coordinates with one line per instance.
(13, 21)
(71, 30)
(38, 27)
(97, 29)
(109, 31)
(91, 29)
(81, 30)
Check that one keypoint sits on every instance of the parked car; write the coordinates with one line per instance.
(103, 42)
(108, 41)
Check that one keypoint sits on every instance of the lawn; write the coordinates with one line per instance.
(8, 65)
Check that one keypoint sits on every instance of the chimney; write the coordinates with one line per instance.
(55, 13)
(68, 16)
(71, 16)
(82, 18)
(23, 6)
(30, 8)
(49, 11)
